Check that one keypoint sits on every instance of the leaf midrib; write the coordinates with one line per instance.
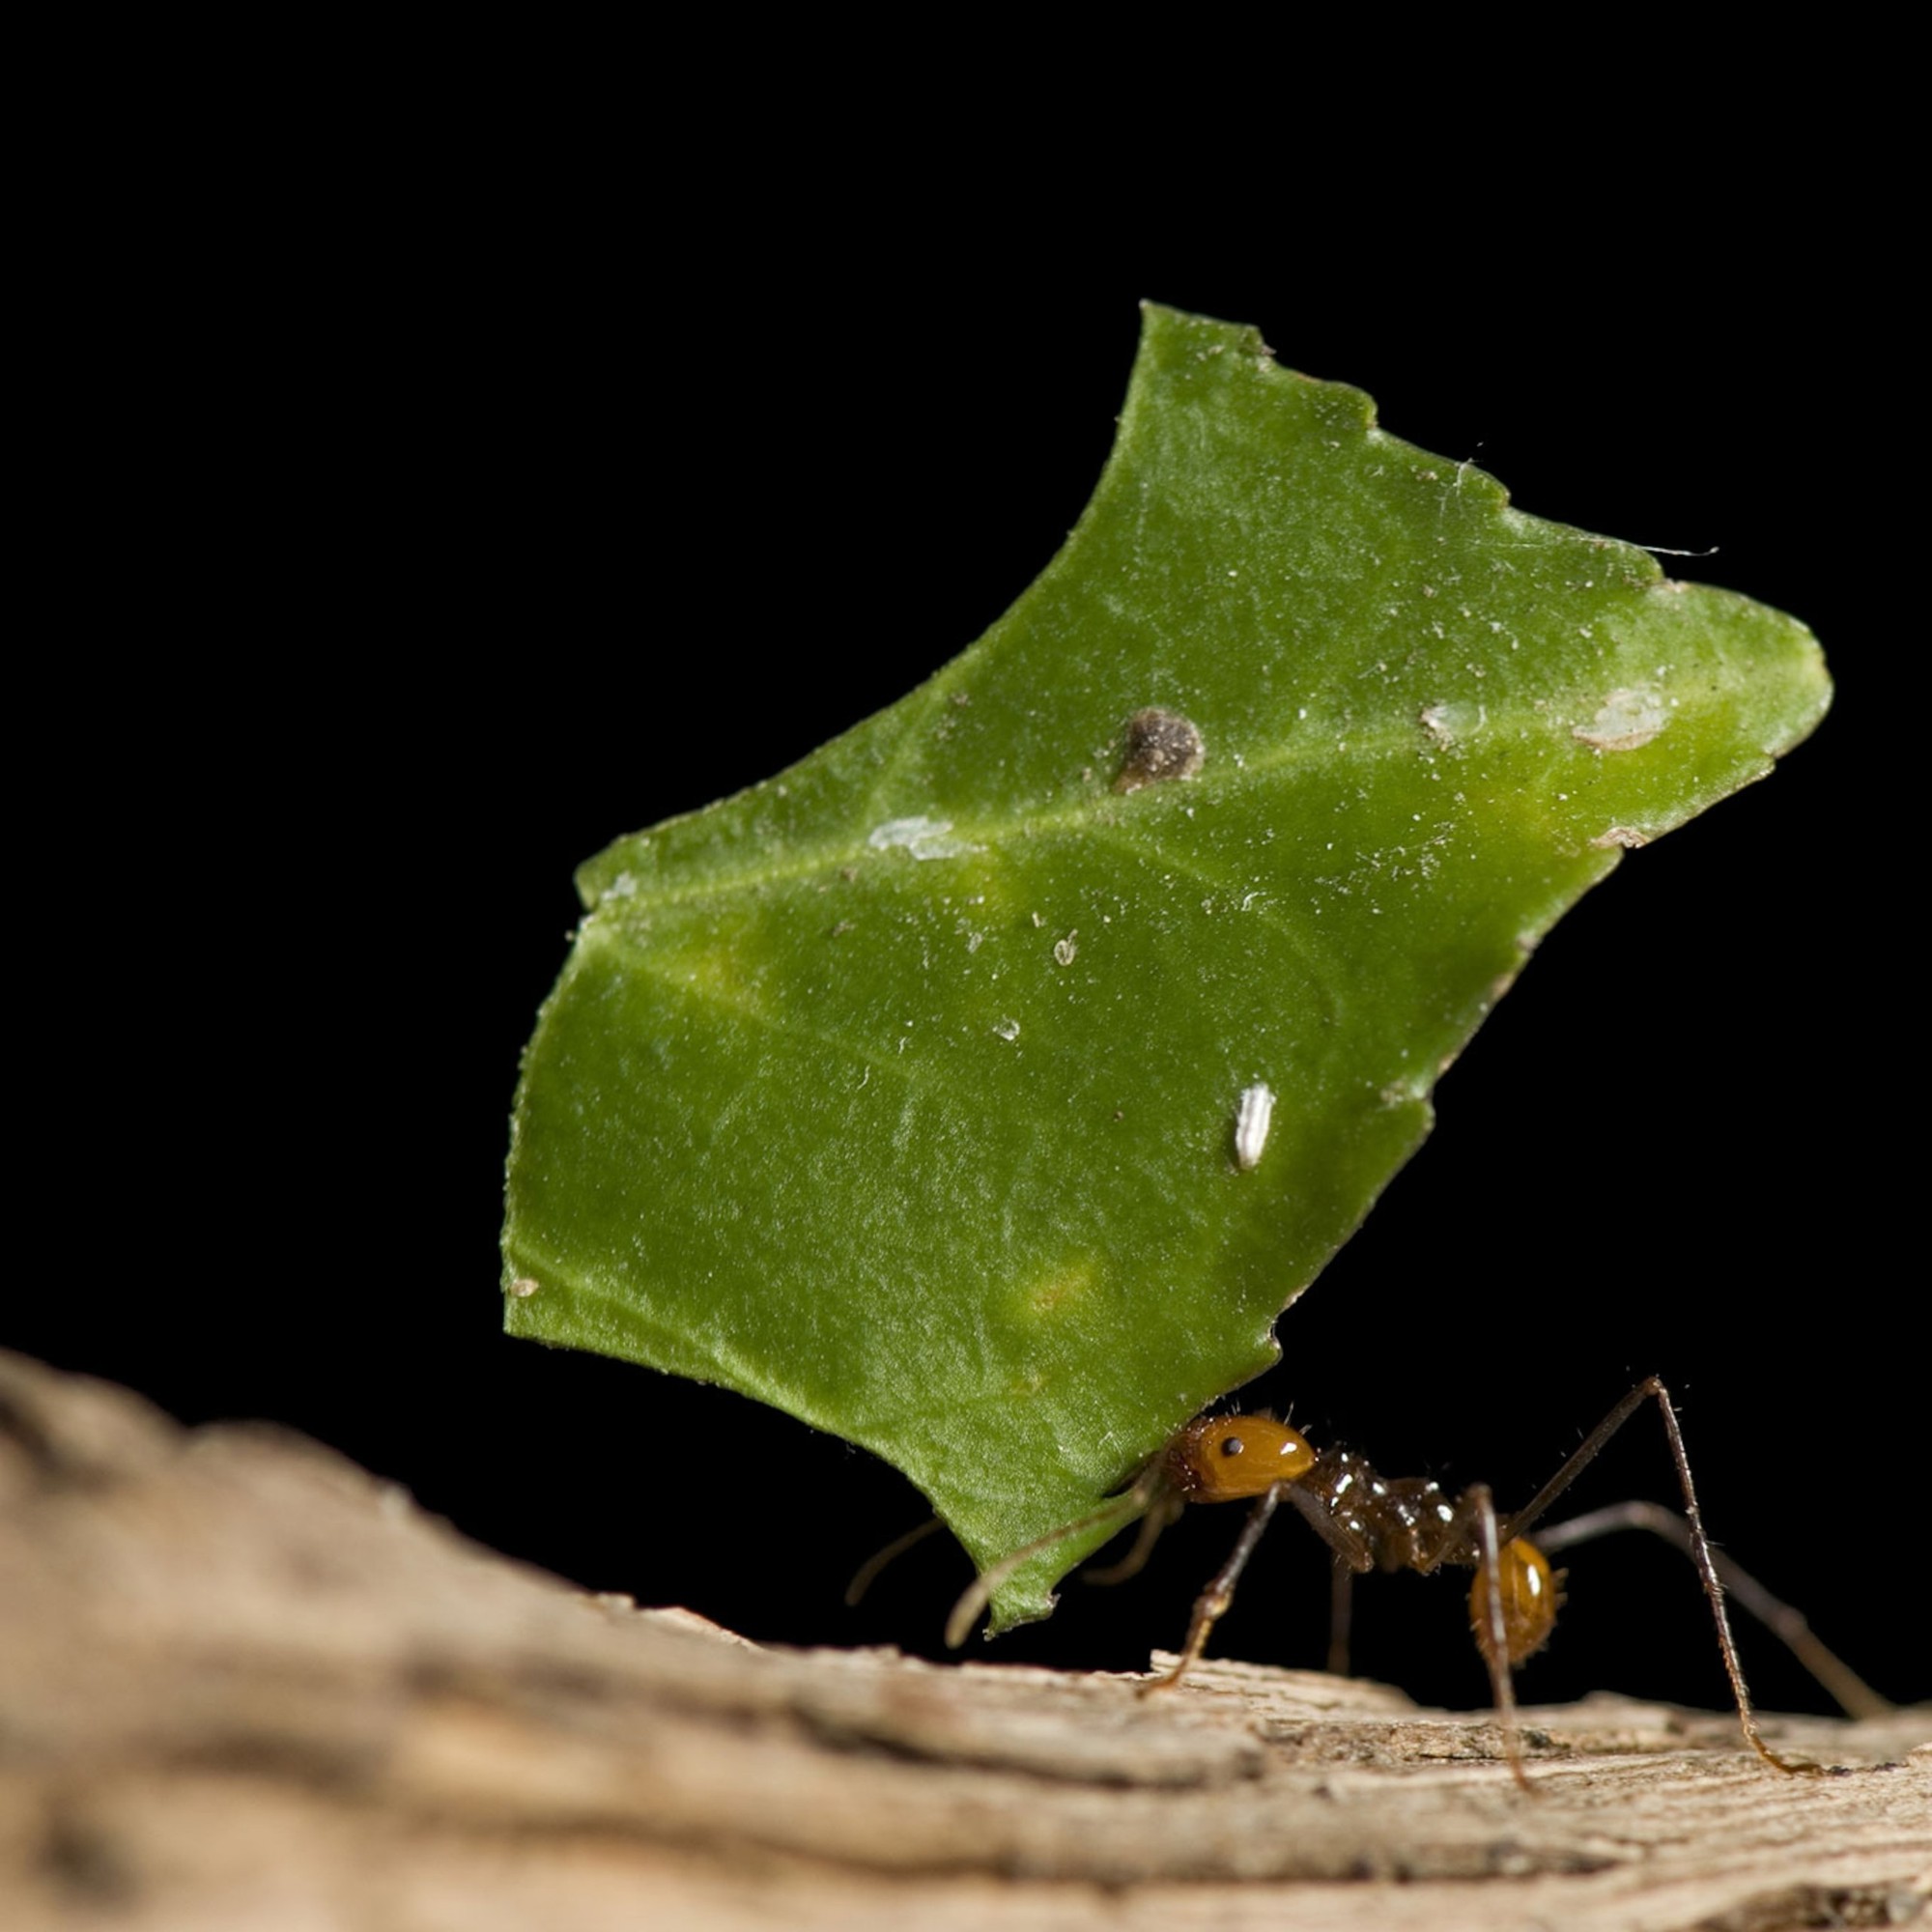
(1087, 809)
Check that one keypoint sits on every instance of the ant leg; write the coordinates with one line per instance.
(1700, 1545)
(1157, 1518)
(867, 1572)
(1213, 1603)
(1586, 1453)
(1476, 1509)
(1341, 1613)
(1855, 1697)
(1352, 1557)
(1118, 1511)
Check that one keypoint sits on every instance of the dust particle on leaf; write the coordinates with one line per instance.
(1161, 744)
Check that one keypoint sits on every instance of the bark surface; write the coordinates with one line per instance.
(243, 1683)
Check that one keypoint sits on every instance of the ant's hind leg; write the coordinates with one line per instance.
(1699, 1544)
(1213, 1603)
(1855, 1697)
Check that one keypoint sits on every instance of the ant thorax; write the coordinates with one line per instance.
(1389, 1523)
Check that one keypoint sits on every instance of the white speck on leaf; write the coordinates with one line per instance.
(924, 838)
(1624, 721)
(1252, 1113)
(1448, 723)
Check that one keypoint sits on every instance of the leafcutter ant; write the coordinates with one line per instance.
(1373, 1523)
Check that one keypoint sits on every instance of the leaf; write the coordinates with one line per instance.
(902, 1092)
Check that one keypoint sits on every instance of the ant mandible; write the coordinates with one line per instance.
(1371, 1522)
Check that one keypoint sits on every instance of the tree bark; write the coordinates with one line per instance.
(243, 1683)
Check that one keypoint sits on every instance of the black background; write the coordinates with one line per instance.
(435, 526)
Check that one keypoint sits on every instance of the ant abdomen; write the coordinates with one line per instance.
(1531, 1593)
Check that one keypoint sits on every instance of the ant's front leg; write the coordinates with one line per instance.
(1164, 1512)
(1213, 1603)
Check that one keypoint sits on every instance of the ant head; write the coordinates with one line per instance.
(1221, 1458)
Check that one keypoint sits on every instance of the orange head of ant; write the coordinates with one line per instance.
(1223, 1459)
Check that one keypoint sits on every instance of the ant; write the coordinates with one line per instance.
(1372, 1522)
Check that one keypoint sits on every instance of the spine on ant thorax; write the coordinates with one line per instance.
(1381, 1521)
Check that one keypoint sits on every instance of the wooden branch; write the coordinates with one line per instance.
(242, 1683)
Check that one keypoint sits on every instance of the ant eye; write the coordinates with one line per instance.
(1231, 1445)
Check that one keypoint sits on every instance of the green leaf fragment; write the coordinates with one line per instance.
(905, 1091)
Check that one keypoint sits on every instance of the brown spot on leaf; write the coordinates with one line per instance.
(1161, 744)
